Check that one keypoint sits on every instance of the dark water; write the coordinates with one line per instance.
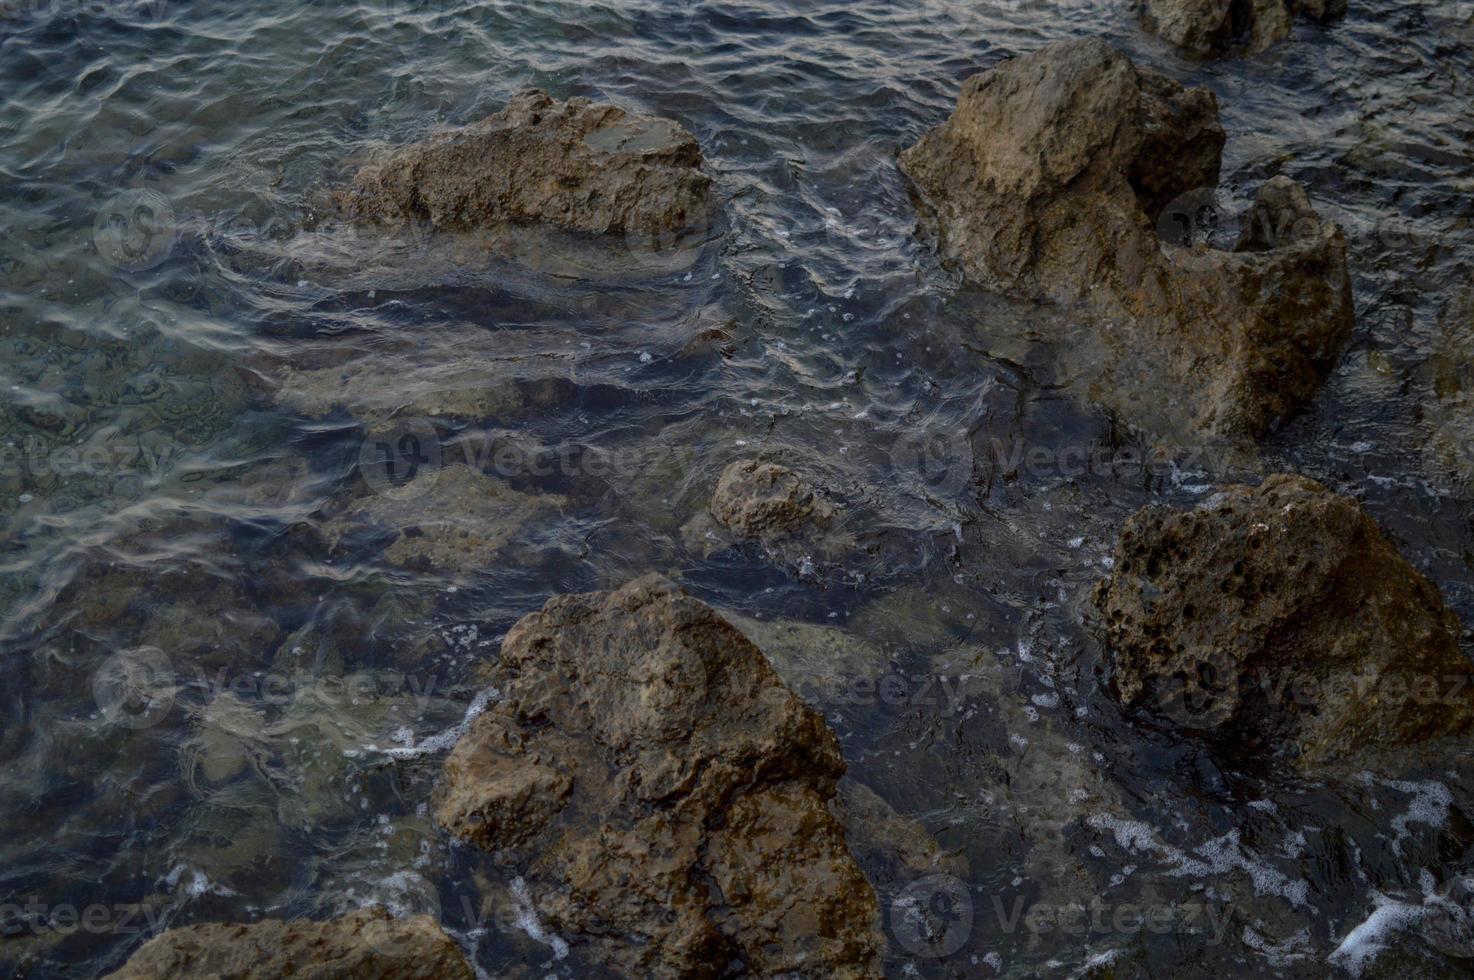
(186, 414)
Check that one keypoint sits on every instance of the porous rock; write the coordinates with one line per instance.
(665, 796)
(1049, 182)
(364, 944)
(577, 165)
(757, 500)
(1209, 27)
(1279, 618)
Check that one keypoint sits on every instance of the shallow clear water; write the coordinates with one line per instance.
(185, 418)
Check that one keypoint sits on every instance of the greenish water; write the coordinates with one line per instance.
(199, 364)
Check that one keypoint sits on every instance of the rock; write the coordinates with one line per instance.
(1049, 182)
(667, 796)
(366, 943)
(1209, 27)
(575, 164)
(461, 522)
(764, 500)
(1279, 617)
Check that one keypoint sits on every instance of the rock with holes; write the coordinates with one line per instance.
(1279, 618)
(763, 500)
(1050, 181)
(1208, 27)
(576, 165)
(366, 943)
(665, 797)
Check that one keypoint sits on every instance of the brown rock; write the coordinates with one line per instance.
(1280, 617)
(1049, 181)
(1209, 27)
(362, 945)
(574, 164)
(667, 795)
(756, 500)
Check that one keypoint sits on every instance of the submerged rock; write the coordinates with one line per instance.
(760, 500)
(1050, 180)
(366, 943)
(1280, 617)
(666, 794)
(1214, 26)
(575, 164)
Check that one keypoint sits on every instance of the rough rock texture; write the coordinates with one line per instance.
(668, 796)
(1214, 26)
(757, 500)
(365, 944)
(574, 164)
(1280, 616)
(1049, 180)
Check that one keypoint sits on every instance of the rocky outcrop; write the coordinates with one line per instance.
(366, 943)
(758, 500)
(1209, 27)
(575, 165)
(1279, 618)
(1049, 182)
(666, 795)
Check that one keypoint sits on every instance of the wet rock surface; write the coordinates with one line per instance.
(1209, 27)
(1051, 180)
(667, 796)
(1280, 618)
(575, 164)
(367, 943)
(762, 500)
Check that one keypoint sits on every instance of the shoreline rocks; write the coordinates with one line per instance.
(366, 943)
(577, 165)
(1279, 618)
(1049, 181)
(667, 795)
(1208, 27)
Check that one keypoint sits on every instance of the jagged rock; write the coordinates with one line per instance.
(1208, 27)
(760, 500)
(575, 164)
(1279, 616)
(666, 794)
(1049, 181)
(366, 943)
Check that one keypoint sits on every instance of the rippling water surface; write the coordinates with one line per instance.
(186, 418)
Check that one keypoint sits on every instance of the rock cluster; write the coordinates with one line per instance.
(1213, 26)
(575, 165)
(666, 794)
(366, 943)
(1049, 181)
(1280, 617)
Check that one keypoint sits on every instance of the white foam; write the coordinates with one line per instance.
(444, 740)
(1215, 857)
(1363, 943)
(527, 920)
